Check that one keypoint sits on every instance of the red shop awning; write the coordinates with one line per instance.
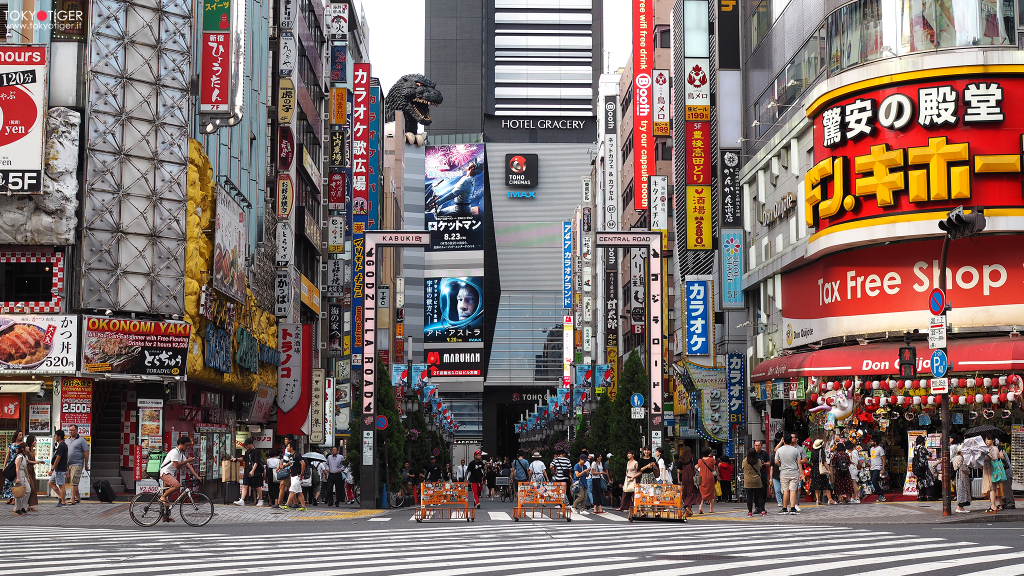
(1000, 355)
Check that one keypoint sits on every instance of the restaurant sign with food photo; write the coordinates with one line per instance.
(38, 344)
(126, 346)
(230, 242)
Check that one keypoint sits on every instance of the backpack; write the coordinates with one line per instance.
(153, 464)
(307, 476)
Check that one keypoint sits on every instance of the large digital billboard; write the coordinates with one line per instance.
(454, 196)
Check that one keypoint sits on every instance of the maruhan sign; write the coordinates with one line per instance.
(530, 124)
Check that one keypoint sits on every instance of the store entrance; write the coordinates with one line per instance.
(507, 440)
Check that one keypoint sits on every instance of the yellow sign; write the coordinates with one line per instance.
(662, 129)
(612, 354)
(310, 295)
(285, 101)
(339, 99)
(698, 218)
(697, 113)
(285, 196)
(400, 330)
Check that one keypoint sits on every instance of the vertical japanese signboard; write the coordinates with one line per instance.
(732, 268)
(698, 317)
(637, 290)
(732, 191)
(659, 204)
(293, 395)
(360, 194)
(736, 379)
(215, 74)
(567, 264)
(567, 350)
(22, 105)
(698, 218)
(643, 64)
(660, 113)
(609, 221)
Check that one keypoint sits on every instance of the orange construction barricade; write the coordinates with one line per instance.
(545, 498)
(661, 501)
(443, 500)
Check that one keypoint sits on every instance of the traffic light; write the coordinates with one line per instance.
(908, 362)
(959, 225)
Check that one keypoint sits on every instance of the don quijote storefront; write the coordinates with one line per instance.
(892, 157)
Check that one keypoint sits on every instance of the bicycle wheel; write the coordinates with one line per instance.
(196, 509)
(395, 499)
(145, 509)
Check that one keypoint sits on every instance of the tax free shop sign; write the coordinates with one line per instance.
(886, 288)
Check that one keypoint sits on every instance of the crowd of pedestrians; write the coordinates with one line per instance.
(69, 457)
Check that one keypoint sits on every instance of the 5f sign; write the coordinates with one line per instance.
(22, 104)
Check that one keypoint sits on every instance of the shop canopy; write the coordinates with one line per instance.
(998, 355)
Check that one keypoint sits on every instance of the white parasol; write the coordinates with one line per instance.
(974, 451)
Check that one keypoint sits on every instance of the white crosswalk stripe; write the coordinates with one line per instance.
(444, 548)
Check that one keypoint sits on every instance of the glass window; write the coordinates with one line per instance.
(931, 24)
(761, 21)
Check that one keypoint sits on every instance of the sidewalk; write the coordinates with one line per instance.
(873, 513)
(95, 513)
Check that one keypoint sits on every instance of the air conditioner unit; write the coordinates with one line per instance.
(179, 391)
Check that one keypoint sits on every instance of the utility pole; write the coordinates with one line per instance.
(956, 225)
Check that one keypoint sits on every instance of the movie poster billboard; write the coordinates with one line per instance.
(230, 240)
(453, 309)
(144, 347)
(454, 196)
(38, 344)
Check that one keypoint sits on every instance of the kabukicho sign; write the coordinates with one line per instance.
(886, 287)
(922, 142)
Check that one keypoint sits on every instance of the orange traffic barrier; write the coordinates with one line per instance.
(661, 501)
(544, 498)
(443, 500)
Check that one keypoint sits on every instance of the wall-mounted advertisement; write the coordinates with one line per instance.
(145, 347)
(454, 196)
(337, 22)
(453, 309)
(294, 377)
(151, 422)
(215, 72)
(732, 191)
(662, 116)
(637, 290)
(659, 203)
(230, 242)
(698, 317)
(567, 264)
(521, 170)
(39, 418)
(454, 362)
(23, 70)
(38, 344)
(643, 129)
(76, 405)
(732, 268)
(339, 63)
(698, 218)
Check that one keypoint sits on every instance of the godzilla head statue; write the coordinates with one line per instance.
(413, 94)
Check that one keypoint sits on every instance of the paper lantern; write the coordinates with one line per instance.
(954, 399)
(987, 382)
(987, 398)
(978, 398)
(970, 382)
(954, 382)
(931, 400)
(1002, 397)
(814, 397)
(1011, 396)
(1002, 380)
(963, 400)
(894, 400)
(847, 384)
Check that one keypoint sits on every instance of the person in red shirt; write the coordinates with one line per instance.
(725, 470)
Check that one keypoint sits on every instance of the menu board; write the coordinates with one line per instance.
(39, 418)
(151, 418)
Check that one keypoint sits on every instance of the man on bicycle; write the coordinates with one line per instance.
(169, 469)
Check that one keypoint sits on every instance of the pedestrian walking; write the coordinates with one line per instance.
(663, 475)
(725, 471)
(59, 468)
(252, 474)
(766, 465)
(520, 471)
(78, 459)
(776, 472)
(580, 473)
(12, 453)
(963, 481)
(841, 473)
(538, 471)
(752, 484)
(879, 463)
(708, 469)
(560, 470)
(461, 472)
(475, 475)
(350, 483)
(629, 482)
(273, 487)
(492, 478)
(22, 489)
(33, 499)
(598, 476)
(821, 471)
(686, 473)
(993, 475)
(647, 466)
(335, 478)
(790, 458)
(284, 475)
(296, 470)
(447, 475)
(921, 469)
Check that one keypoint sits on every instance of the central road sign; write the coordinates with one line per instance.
(937, 302)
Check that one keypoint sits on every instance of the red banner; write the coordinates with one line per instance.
(886, 288)
(926, 145)
(294, 390)
(643, 122)
(698, 150)
(76, 404)
(10, 406)
(215, 76)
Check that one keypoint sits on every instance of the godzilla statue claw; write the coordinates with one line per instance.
(413, 94)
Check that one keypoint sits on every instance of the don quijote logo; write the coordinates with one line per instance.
(60, 20)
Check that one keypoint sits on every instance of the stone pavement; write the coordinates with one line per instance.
(873, 513)
(94, 513)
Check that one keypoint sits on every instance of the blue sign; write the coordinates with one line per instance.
(736, 379)
(636, 400)
(939, 363)
(567, 264)
(937, 303)
(698, 318)
(732, 268)
(382, 422)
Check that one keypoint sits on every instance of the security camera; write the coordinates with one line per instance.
(40, 394)
(109, 312)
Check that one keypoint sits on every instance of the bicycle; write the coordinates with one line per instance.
(195, 508)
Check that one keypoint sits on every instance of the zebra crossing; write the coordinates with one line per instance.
(541, 549)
